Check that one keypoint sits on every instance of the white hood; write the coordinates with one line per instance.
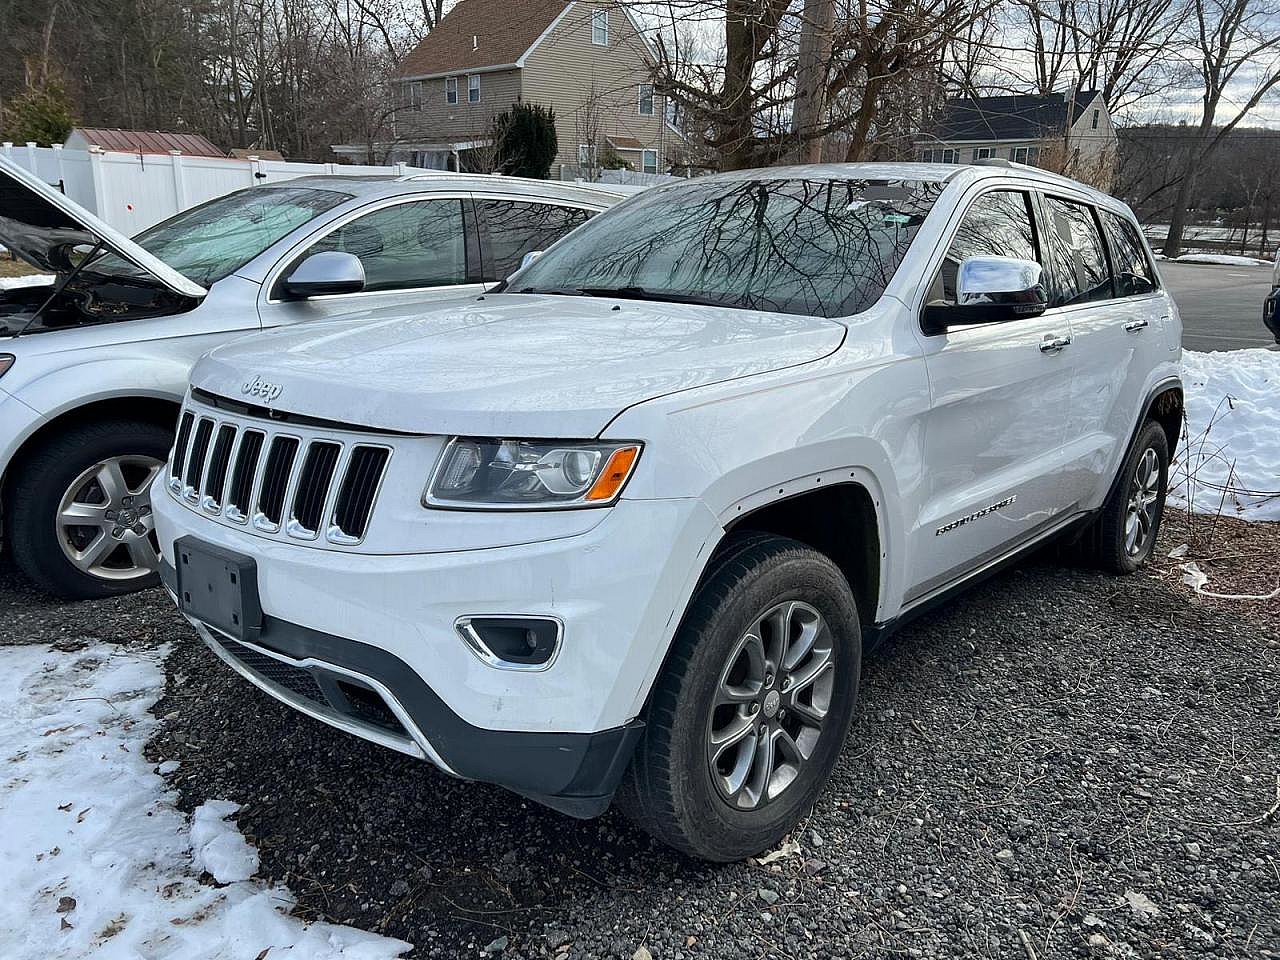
(518, 365)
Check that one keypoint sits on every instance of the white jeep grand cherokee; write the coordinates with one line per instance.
(623, 529)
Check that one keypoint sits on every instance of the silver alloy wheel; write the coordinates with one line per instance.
(1144, 491)
(770, 703)
(104, 523)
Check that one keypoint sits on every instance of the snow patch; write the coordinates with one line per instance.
(1229, 459)
(34, 280)
(1225, 259)
(97, 861)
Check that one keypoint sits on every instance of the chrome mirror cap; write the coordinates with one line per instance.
(1001, 280)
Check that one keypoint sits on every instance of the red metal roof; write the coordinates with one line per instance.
(148, 141)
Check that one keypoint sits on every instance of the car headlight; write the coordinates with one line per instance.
(491, 474)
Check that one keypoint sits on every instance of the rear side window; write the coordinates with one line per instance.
(1080, 273)
(517, 227)
(406, 246)
(1133, 271)
(998, 224)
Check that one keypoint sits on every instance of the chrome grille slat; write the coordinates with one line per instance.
(284, 482)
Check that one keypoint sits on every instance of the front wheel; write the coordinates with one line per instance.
(79, 510)
(752, 709)
(1123, 536)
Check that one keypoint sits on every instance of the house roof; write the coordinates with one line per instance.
(148, 141)
(1019, 117)
(481, 34)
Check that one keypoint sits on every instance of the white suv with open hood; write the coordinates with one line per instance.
(624, 526)
(96, 350)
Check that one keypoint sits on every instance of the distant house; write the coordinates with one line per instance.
(587, 60)
(1072, 135)
(141, 141)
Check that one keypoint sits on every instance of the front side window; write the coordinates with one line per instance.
(517, 227)
(649, 161)
(1133, 271)
(646, 99)
(215, 239)
(998, 224)
(600, 27)
(1080, 273)
(450, 89)
(815, 247)
(473, 89)
(405, 246)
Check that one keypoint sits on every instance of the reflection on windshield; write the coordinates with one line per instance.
(213, 240)
(814, 247)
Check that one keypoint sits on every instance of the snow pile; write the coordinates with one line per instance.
(33, 280)
(95, 861)
(1225, 259)
(1230, 456)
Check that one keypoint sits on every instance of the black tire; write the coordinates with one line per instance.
(36, 489)
(670, 789)
(1106, 544)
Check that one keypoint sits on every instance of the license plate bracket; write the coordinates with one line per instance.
(218, 587)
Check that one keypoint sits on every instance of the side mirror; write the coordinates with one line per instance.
(990, 290)
(325, 274)
(529, 257)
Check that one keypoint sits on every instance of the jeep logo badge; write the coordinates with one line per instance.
(257, 387)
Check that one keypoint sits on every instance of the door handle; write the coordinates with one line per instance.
(1052, 344)
(1133, 326)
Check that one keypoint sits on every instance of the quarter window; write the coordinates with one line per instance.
(473, 88)
(600, 27)
(516, 227)
(406, 246)
(1133, 272)
(1080, 273)
(450, 89)
(646, 99)
(997, 224)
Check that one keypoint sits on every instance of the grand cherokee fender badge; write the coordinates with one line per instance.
(975, 516)
(257, 387)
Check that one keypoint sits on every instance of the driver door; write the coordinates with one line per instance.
(994, 433)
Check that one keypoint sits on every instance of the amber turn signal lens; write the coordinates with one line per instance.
(614, 475)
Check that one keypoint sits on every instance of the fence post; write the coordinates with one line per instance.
(179, 179)
(8, 149)
(99, 182)
(33, 161)
(402, 169)
(255, 164)
(57, 159)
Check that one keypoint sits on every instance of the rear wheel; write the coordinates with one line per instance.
(750, 713)
(1123, 536)
(78, 512)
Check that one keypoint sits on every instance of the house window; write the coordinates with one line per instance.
(473, 88)
(649, 161)
(1030, 155)
(600, 27)
(450, 89)
(646, 99)
(1095, 118)
(586, 154)
(984, 153)
(940, 155)
(413, 93)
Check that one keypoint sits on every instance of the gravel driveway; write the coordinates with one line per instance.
(1060, 764)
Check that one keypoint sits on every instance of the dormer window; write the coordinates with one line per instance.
(600, 27)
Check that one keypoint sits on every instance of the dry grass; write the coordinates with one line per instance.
(15, 268)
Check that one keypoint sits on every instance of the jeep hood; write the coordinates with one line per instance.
(508, 365)
(45, 228)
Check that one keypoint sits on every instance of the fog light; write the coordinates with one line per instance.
(512, 643)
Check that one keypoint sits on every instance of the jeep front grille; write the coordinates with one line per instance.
(277, 481)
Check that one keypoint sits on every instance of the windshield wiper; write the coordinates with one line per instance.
(658, 296)
(549, 291)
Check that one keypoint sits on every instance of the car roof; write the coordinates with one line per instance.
(373, 186)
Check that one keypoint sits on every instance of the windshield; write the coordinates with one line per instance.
(817, 247)
(215, 239)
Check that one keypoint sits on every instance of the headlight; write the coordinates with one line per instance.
(6, 361)
(484, 474)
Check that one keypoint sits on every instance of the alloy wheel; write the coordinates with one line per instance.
(104, 524)
(771, 700)
(1140, 516)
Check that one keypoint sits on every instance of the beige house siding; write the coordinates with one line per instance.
(439, 121)
(589, 85)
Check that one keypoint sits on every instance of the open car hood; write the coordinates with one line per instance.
(44, 228)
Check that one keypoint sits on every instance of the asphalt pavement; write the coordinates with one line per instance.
(1221, 306)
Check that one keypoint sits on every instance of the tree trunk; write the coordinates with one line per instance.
(1178, 219)
(737, 150)
(811, 78)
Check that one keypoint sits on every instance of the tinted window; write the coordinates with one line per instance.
(215, 239)
(1134, 275)
(812, 247)
(998, 224)
(1079, 259)
(517, 228)
(406, 246)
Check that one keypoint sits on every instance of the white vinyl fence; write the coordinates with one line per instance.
(132, 191)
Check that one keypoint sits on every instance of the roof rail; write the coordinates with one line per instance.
(996, 162)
